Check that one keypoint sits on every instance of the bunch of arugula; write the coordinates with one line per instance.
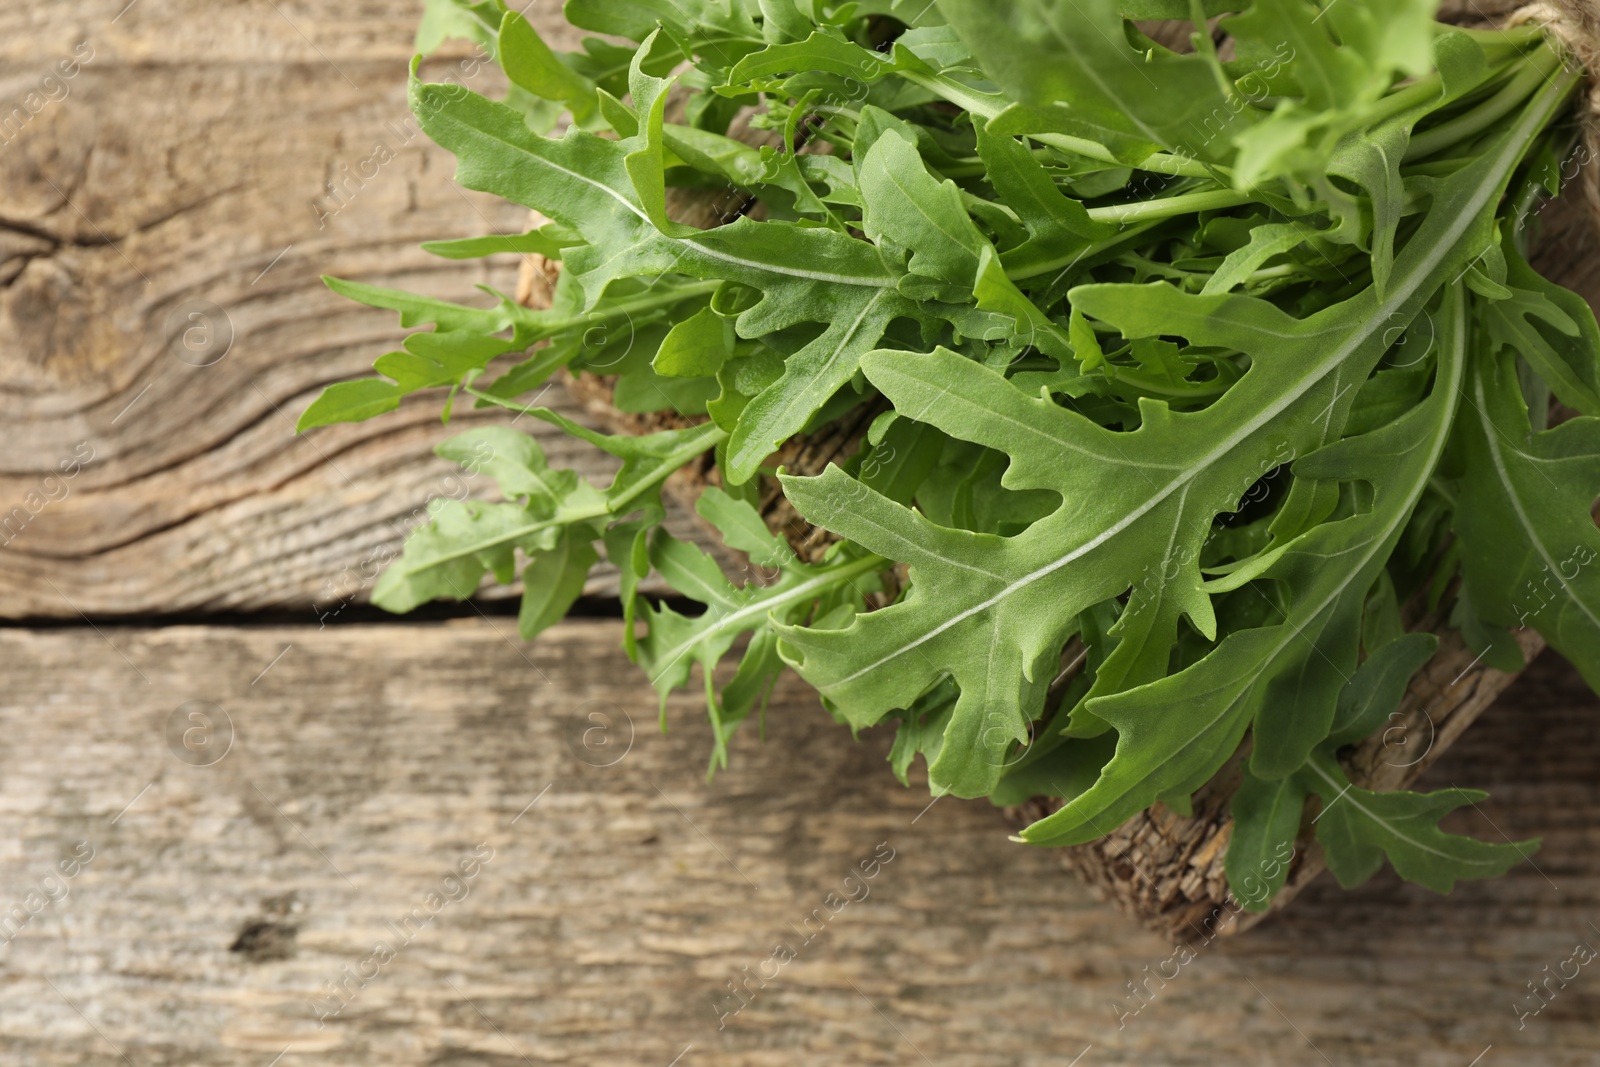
(1102, 292)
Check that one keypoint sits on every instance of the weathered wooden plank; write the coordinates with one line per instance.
(177, 165)
(184, 172)
(367, 760)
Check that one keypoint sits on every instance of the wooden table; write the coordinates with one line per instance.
(227, 907)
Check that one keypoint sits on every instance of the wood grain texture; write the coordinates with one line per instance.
(179, 167)
(369, 759)
(185, 171)
(604, 931)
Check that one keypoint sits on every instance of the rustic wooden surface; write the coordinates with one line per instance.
(367, 759)
(176, 175)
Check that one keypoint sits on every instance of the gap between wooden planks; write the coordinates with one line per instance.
(180, 169)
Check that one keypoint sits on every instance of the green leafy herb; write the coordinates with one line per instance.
(1191, 370)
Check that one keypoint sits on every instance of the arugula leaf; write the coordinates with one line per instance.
(1188, 723)
(558, 518)
(1202, 365)
(675, 643)
(1072, 56)
(532, 66)
(465, 340)
(991, 612)
(553, 580)
(1267, 813)
(1266, 824)
(1528, 542)
(536, 242)
(463, 19)
(1358, 827)
(1552, 328)
(582, 182)
(1374, 691)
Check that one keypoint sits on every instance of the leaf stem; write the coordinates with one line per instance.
(560, 518)
(1084, 254)
(714, 436)
(1171, 206)
(612, 506)
(1480, 118)
(626, 307)
(824, 579)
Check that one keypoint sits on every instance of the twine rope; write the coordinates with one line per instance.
(1575, 26)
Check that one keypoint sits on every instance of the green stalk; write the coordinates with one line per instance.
(973, 167)
(1428, 87)
(615, 506)
(1465, 127)
(1096, 248)
(826, 579)
(649, 300)
(1143, 210)
(560, 518)
(1172, 206)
